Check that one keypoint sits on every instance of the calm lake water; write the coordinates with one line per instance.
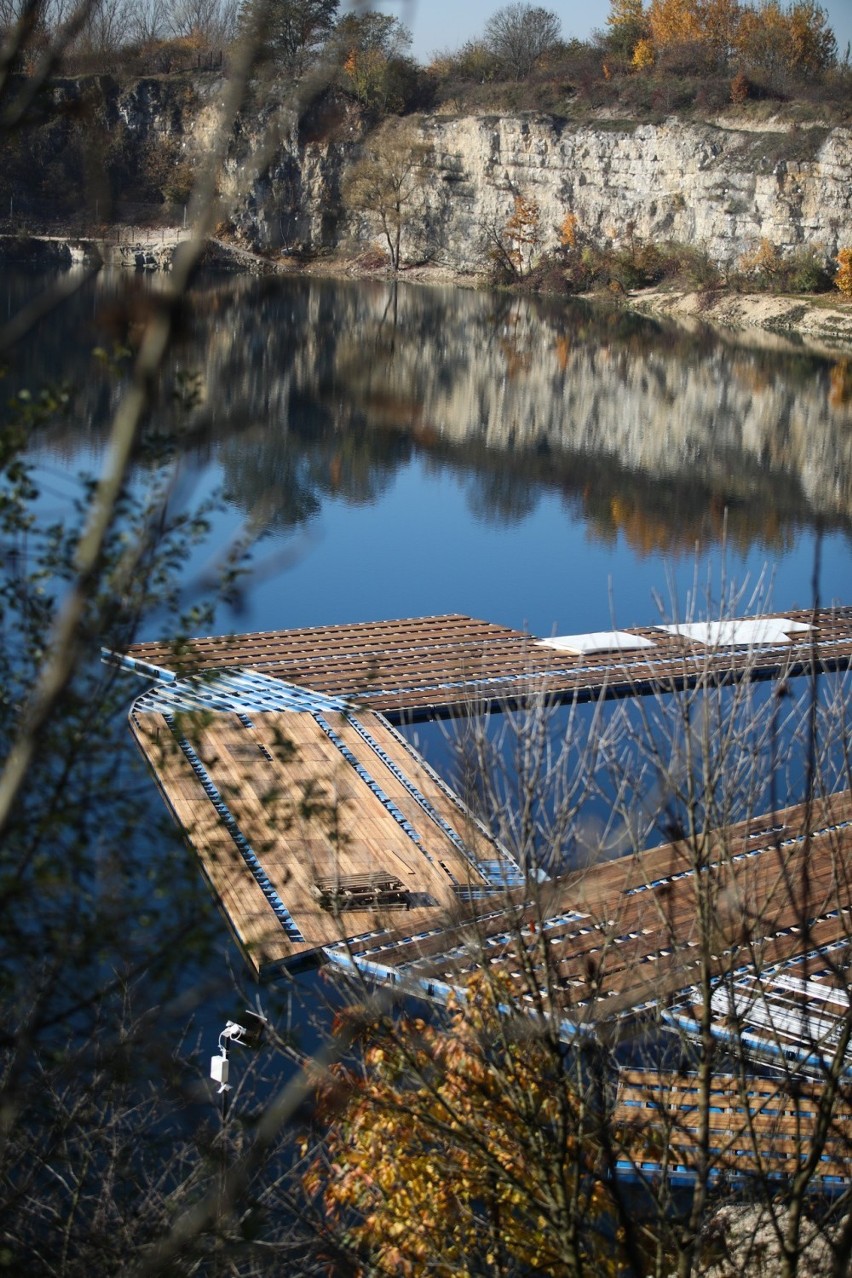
(407, 451)
(402, 451)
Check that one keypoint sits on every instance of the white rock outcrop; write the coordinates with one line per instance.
(720, 187)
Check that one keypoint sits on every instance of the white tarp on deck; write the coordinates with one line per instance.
(750, 632)
(598, 641)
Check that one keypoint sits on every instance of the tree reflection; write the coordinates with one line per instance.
(311, 389)
(501, 497)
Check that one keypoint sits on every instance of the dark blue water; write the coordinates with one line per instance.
(422, 548)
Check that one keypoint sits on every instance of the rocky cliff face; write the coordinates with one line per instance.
(718, 188)
(721, 187)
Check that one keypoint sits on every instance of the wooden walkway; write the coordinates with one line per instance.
(630, 935)
(440, 665)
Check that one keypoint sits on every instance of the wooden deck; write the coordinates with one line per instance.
(276, 807)
(627, 935)
(324, 835)
(439, 665)
(755, 1127)
(293, 803)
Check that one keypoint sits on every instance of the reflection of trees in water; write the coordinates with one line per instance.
(312, 387)
(502, 496)
(652, 516)
(650, 526)
(281, 475)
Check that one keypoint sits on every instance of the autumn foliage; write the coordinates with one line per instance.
(769, 37)
(763, 263)
(843, 277)
(568, 231)
(674, 21)
(466, 1148)
(523, 233)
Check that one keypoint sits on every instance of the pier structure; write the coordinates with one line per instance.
(428, 666)
(325, 835)
(754, 1130)
(597, 947)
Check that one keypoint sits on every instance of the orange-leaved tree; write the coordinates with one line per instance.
(674, 21)
(623, 13)
(843, 276)
(643, 55)
(719, 25)
(523, 233)
(469, 1146)
(777, 40)
(568, 231)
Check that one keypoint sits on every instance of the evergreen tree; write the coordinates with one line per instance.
(627, 26)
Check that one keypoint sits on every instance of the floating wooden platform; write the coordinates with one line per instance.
(290, 813)
(626, 936)
(323, 833)
(427, 666)
(754, 1129)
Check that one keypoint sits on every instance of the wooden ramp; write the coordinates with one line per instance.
(290, 813)
(439, 665)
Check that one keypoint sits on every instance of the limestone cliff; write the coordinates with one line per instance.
(719, 186)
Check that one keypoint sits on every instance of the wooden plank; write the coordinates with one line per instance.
(751, 1125)
(640, 947)
(448, 662)
(306, 814)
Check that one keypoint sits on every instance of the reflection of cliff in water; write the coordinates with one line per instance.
(312, 387)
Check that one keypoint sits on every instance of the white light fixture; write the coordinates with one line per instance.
(246, 1036)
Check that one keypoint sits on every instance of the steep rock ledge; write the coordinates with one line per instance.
(718, 186)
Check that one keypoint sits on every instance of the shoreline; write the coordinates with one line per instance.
(792, 322)
(819, 323)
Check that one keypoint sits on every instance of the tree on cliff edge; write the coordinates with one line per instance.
(387, 183)
(291, 31)
(519, 35)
